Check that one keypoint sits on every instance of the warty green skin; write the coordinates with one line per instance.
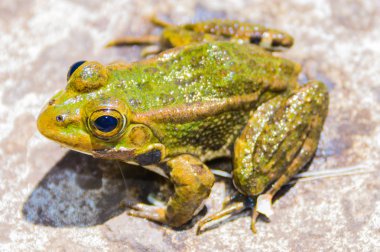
(188, 105)
(202, 76)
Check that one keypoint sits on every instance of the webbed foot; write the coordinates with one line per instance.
(231, 209)
(153, 213)
(263, 206)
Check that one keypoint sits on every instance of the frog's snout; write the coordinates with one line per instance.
(63, 128)
(49, 122)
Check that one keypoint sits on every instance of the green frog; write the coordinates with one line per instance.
(214, 90)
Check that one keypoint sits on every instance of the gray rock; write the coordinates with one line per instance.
(54, 199)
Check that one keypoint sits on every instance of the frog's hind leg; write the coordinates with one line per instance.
(280, 138)
(267, 38)
(130, 40)
(153, 41)
(271, 39)
(228, 210)
(159, 22)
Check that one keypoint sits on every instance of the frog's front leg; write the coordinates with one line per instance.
(192, 185)
(279, 139)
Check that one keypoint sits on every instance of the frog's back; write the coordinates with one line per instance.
(197, 98)
(202, 73)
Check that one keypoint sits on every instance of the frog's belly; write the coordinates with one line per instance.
(207, 138)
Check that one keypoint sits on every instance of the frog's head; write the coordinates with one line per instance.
(90, 116)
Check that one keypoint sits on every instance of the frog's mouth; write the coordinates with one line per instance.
(120, 154)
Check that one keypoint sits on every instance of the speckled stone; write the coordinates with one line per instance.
(57, 200)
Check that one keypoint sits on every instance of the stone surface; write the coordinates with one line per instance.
(54, 199)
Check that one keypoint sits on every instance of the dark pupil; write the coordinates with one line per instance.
(106, 123)
(74, 67)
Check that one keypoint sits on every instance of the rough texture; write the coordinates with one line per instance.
(60, 200)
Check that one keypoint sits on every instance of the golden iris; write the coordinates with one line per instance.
(107, 123)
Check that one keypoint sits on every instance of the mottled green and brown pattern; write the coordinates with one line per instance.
(223, 96)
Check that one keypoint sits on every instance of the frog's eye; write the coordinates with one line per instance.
(107, 123)
(73, 68)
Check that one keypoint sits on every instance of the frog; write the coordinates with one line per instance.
(209, 90)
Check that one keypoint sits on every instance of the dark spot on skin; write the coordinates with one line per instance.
(276, 43)
(59, 118)
(255, 39)
(51, 102)
(152, 157)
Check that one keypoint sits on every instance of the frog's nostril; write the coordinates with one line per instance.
(52, 101)
(59, 118)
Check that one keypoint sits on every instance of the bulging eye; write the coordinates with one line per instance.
(107, 123)
(73, 68)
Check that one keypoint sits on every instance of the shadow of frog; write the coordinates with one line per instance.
(82, 191)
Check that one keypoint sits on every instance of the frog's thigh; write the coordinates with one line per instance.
(279, 139)
(192, 184)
